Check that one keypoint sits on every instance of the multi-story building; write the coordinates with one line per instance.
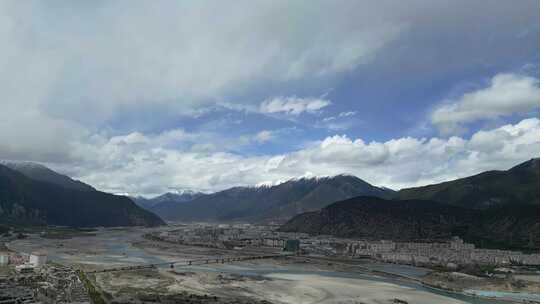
(455, 252)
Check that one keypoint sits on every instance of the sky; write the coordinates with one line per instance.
(146, 97)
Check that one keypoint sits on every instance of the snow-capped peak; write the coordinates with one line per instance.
(309, 176)
(183, 191)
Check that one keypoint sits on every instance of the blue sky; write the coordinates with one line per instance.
(144, 97)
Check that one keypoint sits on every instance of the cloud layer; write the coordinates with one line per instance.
(73, 69)
(139, 96)
(139, 164)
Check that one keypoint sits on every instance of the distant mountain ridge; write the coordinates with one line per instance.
(24, 200)
(279, 202)
(408, 220)
(499, 208)
(42, 173)
(167, 198)
(519, 185)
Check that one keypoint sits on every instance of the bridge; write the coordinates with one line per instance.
(194, 262)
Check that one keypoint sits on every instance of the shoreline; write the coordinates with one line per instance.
(422, 282)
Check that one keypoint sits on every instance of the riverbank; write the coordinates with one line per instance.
(277, 288)
(503, 288)
(511, 289)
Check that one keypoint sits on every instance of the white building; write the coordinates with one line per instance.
(4, 258)
(38, 259)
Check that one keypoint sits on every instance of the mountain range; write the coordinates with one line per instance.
(38, 195)
(490, 206)
(42, 173)
(167, 198)
(517, 186)
(266, 203)
(410, 220)
(498, 208)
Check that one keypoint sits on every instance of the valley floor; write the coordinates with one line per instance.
(280, 281)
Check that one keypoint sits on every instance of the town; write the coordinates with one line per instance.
(37, 282)
(450, 253)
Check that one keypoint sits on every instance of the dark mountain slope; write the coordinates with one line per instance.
(371, 217)
(143, 202)
(375, 218)
(519, 185)
(44, 174)
(270, 203)
(27, 201)
(166, 199)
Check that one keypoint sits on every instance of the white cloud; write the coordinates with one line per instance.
(87, 61)
(265, 136)
(74, 68)
(507, 94)
(149, 164)
(340, 115)
(74, 74)
(293, 105)
(347, 114)
(71, 69)
(339, 122)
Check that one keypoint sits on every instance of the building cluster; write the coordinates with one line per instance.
(23, 262)
(15, 290)
(451, 254)
(226, 236)
(324, 245)
(47, 285)
(36, 281)
(62, 285)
